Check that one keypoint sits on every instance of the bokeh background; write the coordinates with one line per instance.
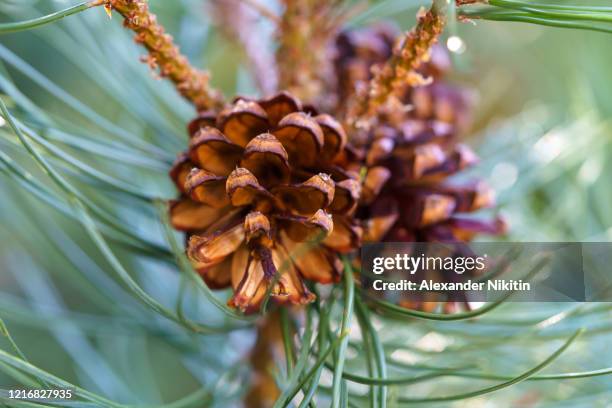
(541, 125)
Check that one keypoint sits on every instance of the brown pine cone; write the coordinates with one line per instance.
(260, 183)
(411, 152)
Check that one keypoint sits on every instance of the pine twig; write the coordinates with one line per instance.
(399, 70)
(192, 84)
(305, 32)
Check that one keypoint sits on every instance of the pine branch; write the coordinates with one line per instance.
(304, 33)
(191, 83)
(399, 70)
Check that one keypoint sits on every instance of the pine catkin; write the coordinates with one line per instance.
(393, 76)
(193, 84)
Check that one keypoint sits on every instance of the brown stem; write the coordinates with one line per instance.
(263, 391)
(304, 34)
(400, 70)
(192, 83)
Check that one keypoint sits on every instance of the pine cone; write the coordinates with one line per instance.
(411, 151)
(260, 183)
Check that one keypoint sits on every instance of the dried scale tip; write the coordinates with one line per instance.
(304, 34)
(411, 154)
(400, 70)
(192, 83)
(260, 183)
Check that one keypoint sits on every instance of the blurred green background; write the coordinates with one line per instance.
(541, 126)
